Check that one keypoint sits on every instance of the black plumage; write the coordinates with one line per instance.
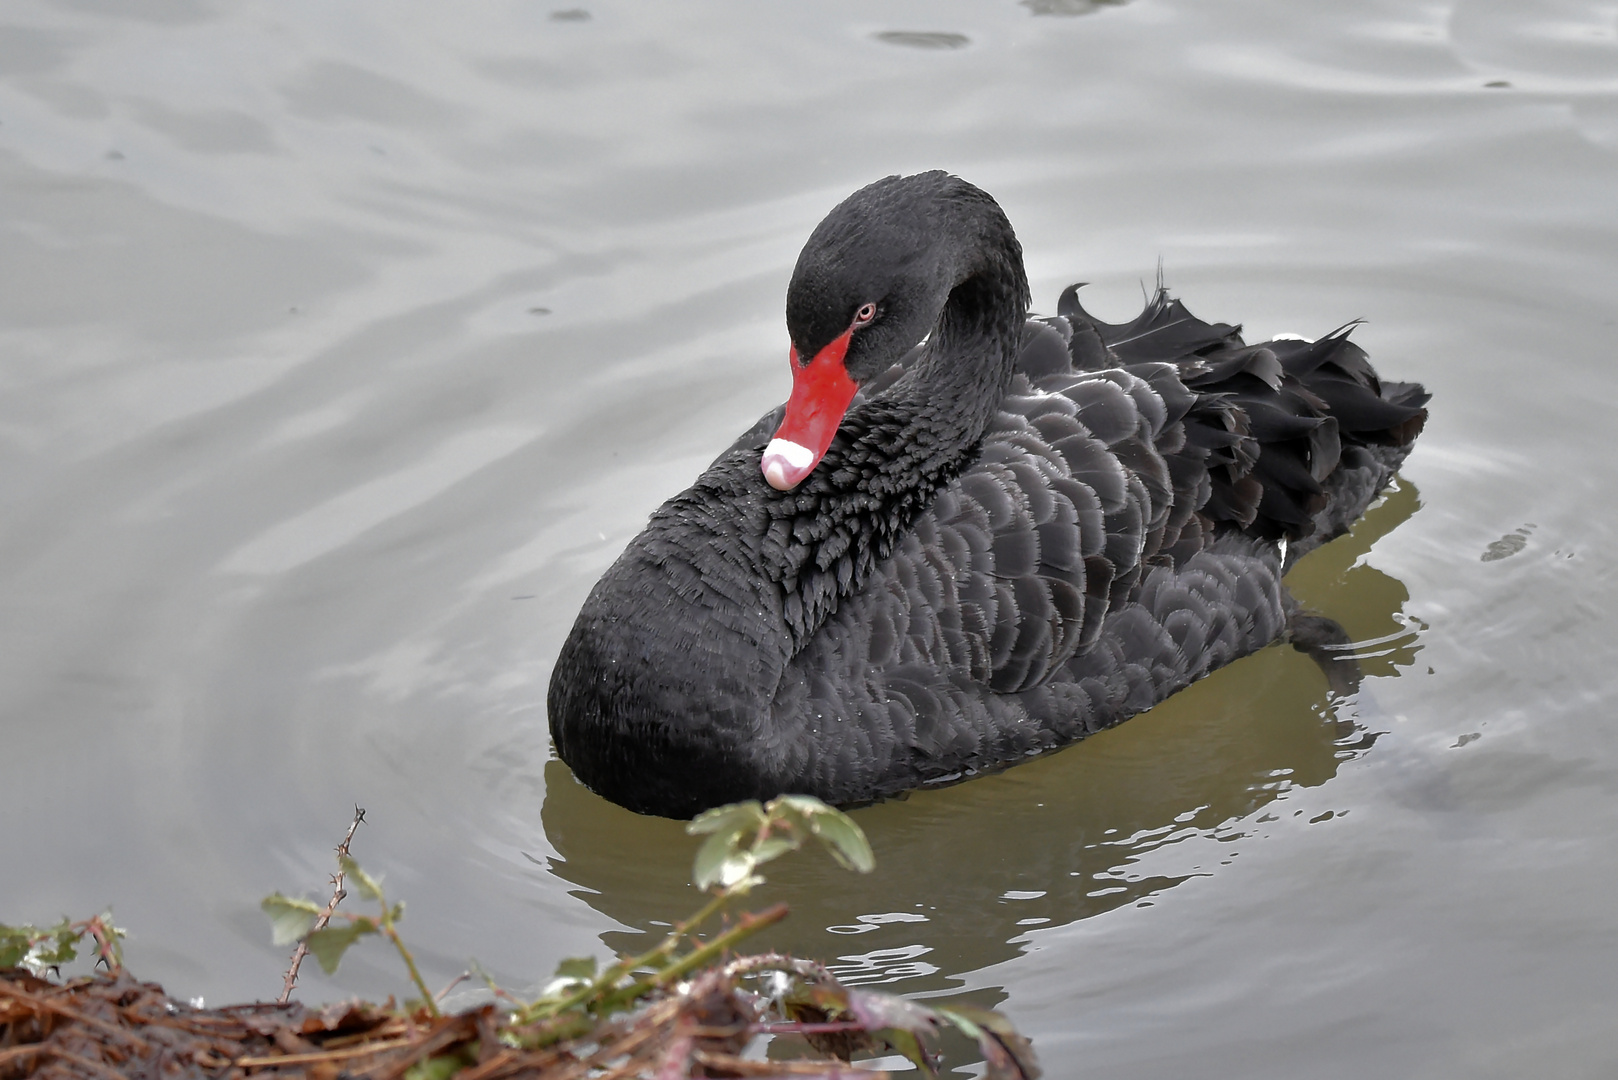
(1024, 530)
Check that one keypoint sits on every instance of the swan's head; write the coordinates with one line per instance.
(869, 285)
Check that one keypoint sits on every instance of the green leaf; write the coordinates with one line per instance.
(805, 805)
(745, 884)
(114, 935)
(774, 848)
(845, 840)
(365, 883)
(789, 814)
(441, 1067)
(578, 968)
(711, 856)
(289, 919)
(908, 1044)
(813, 1002)
(738, 817)
(15, 942)
(331, 942)
(978, 1017)
(963, 1024)
(1007, 1053)
(66, 938)
(571, 974)
(736, 869)
(899, 1022)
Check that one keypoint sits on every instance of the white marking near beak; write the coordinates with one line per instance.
(786, 463)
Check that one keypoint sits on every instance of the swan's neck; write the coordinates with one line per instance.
(893, 453)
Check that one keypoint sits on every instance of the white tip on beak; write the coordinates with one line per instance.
(786, 463)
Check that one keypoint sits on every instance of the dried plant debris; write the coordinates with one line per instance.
(685, 1008)
(110, 1024)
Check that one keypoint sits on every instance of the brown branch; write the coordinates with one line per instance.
(75, 1015)
(731, 1065)
(232, 1029)
(337, 894)
(451, 1030)
(453, 983)
(771, 961)
(833, 1027)
(320, 1055)
(390, 1029)
(675, 1060)
(503, 1061)
(83, 1062)
(25, 1050)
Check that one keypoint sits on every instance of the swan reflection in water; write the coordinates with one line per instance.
(964, 872)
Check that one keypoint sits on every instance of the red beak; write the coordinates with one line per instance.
(821, 391)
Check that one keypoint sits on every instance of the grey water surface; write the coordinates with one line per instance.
(342, 345)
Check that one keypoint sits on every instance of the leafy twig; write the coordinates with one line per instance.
(691, 1010)
(294, 919)
(38, 949)
(741, 838)
(337, 894)
(746, 926)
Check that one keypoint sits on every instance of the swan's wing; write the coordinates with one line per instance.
(1012, 569)
(1006, 578)
(1110, 543)
(1121, 448)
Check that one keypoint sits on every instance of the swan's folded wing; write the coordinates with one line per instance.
(1111, 542)
(1077, 491)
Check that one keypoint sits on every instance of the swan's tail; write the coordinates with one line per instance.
(1376, 426)
(1298, 436)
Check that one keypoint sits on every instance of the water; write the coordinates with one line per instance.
(342, 347)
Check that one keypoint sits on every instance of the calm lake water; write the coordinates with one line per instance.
(342, 346)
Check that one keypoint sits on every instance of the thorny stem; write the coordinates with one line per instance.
(337, 894)
(106, 939)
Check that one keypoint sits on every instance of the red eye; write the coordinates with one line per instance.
(865, 315)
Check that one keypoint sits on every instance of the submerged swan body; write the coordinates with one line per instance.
(968, 537)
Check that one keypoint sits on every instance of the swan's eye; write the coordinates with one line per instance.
(865, 315)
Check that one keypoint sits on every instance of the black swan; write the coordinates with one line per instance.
(968, 537)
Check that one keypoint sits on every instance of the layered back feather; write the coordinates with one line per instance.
(1118, 535)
